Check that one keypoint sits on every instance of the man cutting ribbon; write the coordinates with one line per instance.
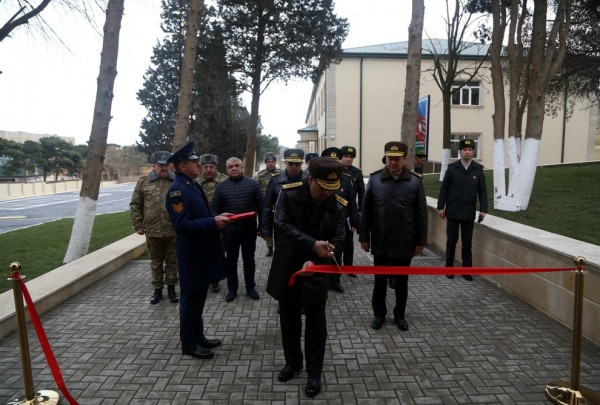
(309, 227)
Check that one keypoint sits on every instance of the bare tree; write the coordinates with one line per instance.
(92, 172)
(529, 74)
(25, 12)
(447, 68)
(413, 79)
(184, 106)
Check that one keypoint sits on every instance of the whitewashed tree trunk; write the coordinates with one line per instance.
(445, 162)
(92, 172)
(521, 181)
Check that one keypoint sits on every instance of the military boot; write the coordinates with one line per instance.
(172, 294)
(269, 251)
(156, 297)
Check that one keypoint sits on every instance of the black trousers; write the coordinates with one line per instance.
(315, 334)
(380, 288)
(191, 324)
(466, 236)
(234, 239)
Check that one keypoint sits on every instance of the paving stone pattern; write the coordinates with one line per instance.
(468, 343)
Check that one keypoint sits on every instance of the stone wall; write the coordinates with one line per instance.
(501, 243)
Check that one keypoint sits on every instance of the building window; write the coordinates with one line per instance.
(454, 141)
(466, 93)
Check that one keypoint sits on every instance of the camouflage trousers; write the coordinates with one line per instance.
(162, 250)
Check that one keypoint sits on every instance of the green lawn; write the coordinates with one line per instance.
(41, 248)
(564, 200)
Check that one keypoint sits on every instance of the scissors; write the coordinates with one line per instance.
(334, 259)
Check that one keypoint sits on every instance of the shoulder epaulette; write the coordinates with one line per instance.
(419, 175)
(377, 171)
(347, 174)
(291, 185)
(341, 200)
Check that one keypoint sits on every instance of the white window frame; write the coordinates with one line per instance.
(467, 94)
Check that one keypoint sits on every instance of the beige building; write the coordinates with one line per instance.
(21, 137)
(359, 102)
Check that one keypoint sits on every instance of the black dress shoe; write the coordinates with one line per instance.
(198, 353)
(253, 294)
(230, 296)
(450, 276)
(337, 287)
(269, 252)
(377, 323)
(215, 287)
(288, 372)
(313, 387)
(352, 275)
(468, 278)
(402, 324)
(210, 343)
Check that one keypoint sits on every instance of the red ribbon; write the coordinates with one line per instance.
(52, 363)
(425, 271)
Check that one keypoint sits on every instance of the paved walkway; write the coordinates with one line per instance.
(468, 343)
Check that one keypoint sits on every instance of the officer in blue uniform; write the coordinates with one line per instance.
(199, 250)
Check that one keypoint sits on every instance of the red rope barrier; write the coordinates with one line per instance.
(423, 271)
(52, 363)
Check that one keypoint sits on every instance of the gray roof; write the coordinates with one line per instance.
(430, 46)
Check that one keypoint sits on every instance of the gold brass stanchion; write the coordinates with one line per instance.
(31, 397)
(562, 392)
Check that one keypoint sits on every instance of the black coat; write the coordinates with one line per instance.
(358, 182)
(299, 223)
(348, 201)
(237, 196)
(394, 215)
(200, 256)
(460, 189)
(271, 195)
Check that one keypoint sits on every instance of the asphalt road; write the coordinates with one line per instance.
(25, 212)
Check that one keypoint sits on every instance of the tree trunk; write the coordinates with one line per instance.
(92, 172)
(413, 80)
(184, 106)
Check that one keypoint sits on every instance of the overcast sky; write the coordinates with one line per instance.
(48, 89)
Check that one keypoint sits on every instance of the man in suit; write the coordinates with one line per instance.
(199, 250)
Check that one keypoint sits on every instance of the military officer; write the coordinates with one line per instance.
(263, 177)
(149, 217)
(199, 250)
(208, 180)
(346, 197)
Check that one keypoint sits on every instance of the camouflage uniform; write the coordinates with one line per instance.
(264, 176)
(148, 212)
(209, 186)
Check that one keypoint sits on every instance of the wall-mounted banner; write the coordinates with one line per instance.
(422, 141)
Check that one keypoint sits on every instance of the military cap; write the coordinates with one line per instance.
(309, 156)
(332, 152)
(186, 152)
(466, 143)
(269, 156)
(160, 157)
(208, 158)
(348, 150)
(395, 149)
(326, 171)
(293, 155)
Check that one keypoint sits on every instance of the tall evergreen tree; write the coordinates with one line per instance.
(160, 91)
(218, 120)
(278, 40)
